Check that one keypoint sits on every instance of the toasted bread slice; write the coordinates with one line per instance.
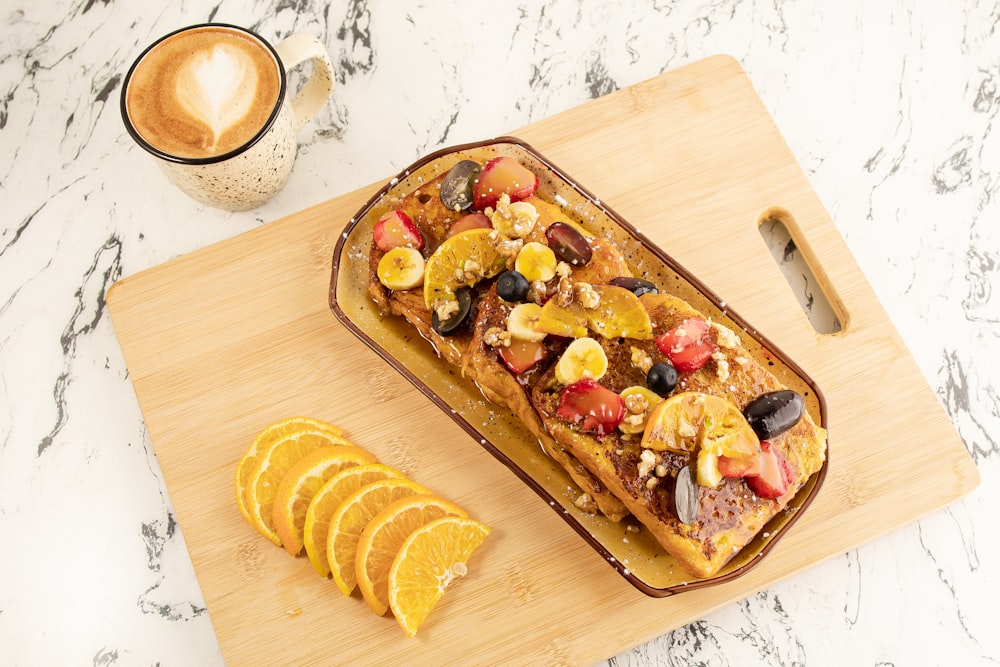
(729, 514)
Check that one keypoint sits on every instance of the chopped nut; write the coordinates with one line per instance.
(446, 309)
(509, 247)
(641, 359)
(537, 292)
(634, 419)
(722, 366)
(725, 336)
(564, 293)
(587, 295)
(586, 503)
(652, 482)
(647, 461)
(661, 470)
(514, 219)
(563, 269)
(636, 404)
(741, 360)
(497, 337)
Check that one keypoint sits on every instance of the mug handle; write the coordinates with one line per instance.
(295, 50)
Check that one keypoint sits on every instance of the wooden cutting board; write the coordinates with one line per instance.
(224, 340)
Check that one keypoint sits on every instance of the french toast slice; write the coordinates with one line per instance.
(465, 348)
(729, 514)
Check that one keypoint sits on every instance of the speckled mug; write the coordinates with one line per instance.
(248, 176)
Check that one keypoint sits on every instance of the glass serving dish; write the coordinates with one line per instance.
(634, 555)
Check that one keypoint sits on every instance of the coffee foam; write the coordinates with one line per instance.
(203, 93)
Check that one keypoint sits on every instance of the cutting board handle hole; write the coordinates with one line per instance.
(802, 272)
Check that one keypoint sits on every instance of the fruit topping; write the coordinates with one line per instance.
(503, 175)
(454, 320)
(521, 355)
(536, 261)
(774, 413)
(568, 244)
(583, 358)
(457, 186)
(691, 420)
(619, 314)
(401, 268)
(686, 496)
(470, 221)
(395, 229)
(522, 322)
(637, 286)
(512, 286)
(749, 466)
(639, 401)
(462, 260)
(516, 220)
(662, 377)
(569, 321)
(775, 474)
(593, 407)
(687, 346)
(708, 468)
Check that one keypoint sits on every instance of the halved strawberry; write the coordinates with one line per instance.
(521, 355)
(470, 221)
(742, 467)
(687, 346)
(395, 229)
(594, 407)
(503, 174)
(775, 474)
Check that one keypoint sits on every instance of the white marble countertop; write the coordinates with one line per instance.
(890, 108)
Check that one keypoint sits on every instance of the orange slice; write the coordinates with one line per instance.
(619, 315)
(693, 421)
(273, 461)
(429, 560)
(268, 436)
(385, 534)
(568, 321)
(351, 517)
(301, 483)
(464, 259)
(326, 501)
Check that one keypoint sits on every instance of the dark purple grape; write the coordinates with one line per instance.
(451, 325)
(568, 244)
(662, 377)
(637, 286)
(773, 413)
(456, 188)
(686, 495)
(512, 286)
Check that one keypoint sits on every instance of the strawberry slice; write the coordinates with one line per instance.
(687, 346)
(503, 175)
(521, 355)
(594, 407)
(775, 474)
(742, 467)
(395, 229)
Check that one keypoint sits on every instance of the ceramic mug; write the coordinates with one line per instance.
(210, 103)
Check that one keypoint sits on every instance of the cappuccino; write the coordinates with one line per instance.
(203, 93)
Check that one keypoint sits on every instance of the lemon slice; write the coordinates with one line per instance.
(584, 358)
(619, 315)
(461, 261)
(693, 421)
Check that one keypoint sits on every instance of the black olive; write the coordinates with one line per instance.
(662, 377)
(774, 413)
(637, 286)
(512, 286)
(456, 188)
(686, 496)
(451, 325)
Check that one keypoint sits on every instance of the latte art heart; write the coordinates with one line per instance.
(218, 88)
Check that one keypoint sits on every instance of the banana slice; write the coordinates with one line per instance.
(522, 322)
(536, 261)
(583, 358)
(401, 268)
(708, 468)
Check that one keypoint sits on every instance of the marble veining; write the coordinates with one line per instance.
(889, 107)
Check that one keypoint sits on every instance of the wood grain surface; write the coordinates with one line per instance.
(224, 340)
